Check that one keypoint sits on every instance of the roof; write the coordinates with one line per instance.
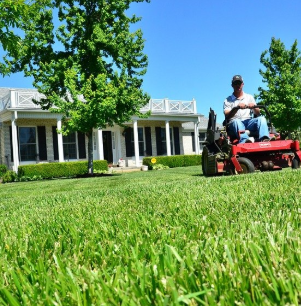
(4, 91)
(203, 123)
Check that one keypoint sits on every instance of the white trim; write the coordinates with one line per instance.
(136, 143)
(196, 140)
(15, 142)
(100, 144)
(60, 141)
(167, 132)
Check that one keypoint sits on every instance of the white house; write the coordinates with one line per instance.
(29, 135)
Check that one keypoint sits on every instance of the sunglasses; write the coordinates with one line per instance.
(237, 83)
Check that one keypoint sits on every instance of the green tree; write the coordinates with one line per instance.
(11, 13)
(282, 76)
(87, 61)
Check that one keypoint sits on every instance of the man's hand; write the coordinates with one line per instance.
(242, 105)
(256, 111)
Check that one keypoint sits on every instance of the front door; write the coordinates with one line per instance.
(107, 146)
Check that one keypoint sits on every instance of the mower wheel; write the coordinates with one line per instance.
(246, 165)
(295, 163)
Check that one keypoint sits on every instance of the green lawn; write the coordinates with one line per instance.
(170, 237)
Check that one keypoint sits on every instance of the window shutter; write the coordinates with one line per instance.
(176, 136)
(128, 142)
(42, 143)
(81, 145)
(148, 141)
(193, 143)
(55, 144)
(11, 144)
(158, 141)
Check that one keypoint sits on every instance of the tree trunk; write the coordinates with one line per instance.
(90, 152)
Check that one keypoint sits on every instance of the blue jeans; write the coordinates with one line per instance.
(255, 125)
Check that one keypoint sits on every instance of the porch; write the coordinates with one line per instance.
(159, 134)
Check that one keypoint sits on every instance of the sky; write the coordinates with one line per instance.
(194, 47)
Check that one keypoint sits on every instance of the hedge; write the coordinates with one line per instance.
(174, 161)
(3, 169)
(60, 169)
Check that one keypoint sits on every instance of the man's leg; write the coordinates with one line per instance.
(235, 126)
(259, 125)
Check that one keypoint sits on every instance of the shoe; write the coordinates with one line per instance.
(250, 140)
(265, 139)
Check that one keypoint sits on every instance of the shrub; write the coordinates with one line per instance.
(159, 167)
(174, 161)
(64, 169)
(9, 176)
(3, 169)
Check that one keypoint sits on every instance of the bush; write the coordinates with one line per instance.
(3, 169)
(9, 176)
(56, 170)
(159, 167)
(174, 161)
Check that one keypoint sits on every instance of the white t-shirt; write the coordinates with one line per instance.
(241, 114)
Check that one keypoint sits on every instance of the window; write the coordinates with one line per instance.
(144, 141)
(202, 138)
(163, 141)
(28, 143)
(140, 141)
(69, 144)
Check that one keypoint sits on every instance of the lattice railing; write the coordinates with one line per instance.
(25, 99)
(170, 106)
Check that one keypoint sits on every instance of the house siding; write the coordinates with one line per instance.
(187, 143)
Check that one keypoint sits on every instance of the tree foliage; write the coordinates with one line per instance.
(282, 76)
(11, 13)
(85, 59)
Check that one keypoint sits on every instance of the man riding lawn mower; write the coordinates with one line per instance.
(227, 154)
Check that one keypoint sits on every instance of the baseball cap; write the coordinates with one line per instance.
(237, 77)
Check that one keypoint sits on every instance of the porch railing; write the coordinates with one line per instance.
(20, 99)
(170, 106)
(24, 99)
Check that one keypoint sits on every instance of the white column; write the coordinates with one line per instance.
(100, 144)
(15, 142)
(136, 143)
(196, 138)
(194, 106)
(13, 102)
(60, 141)
(166, 105)
(168, 149)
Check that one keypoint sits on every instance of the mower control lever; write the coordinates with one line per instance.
(235, 108)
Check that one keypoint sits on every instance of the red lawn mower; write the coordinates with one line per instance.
(225, 155)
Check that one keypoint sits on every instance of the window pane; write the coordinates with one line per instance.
(202, 136)
(69, 144)
(27, 139)
(69, 138)
(70, 151)
(140, 134)
(28, 152)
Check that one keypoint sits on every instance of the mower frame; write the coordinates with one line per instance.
(222, 155)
